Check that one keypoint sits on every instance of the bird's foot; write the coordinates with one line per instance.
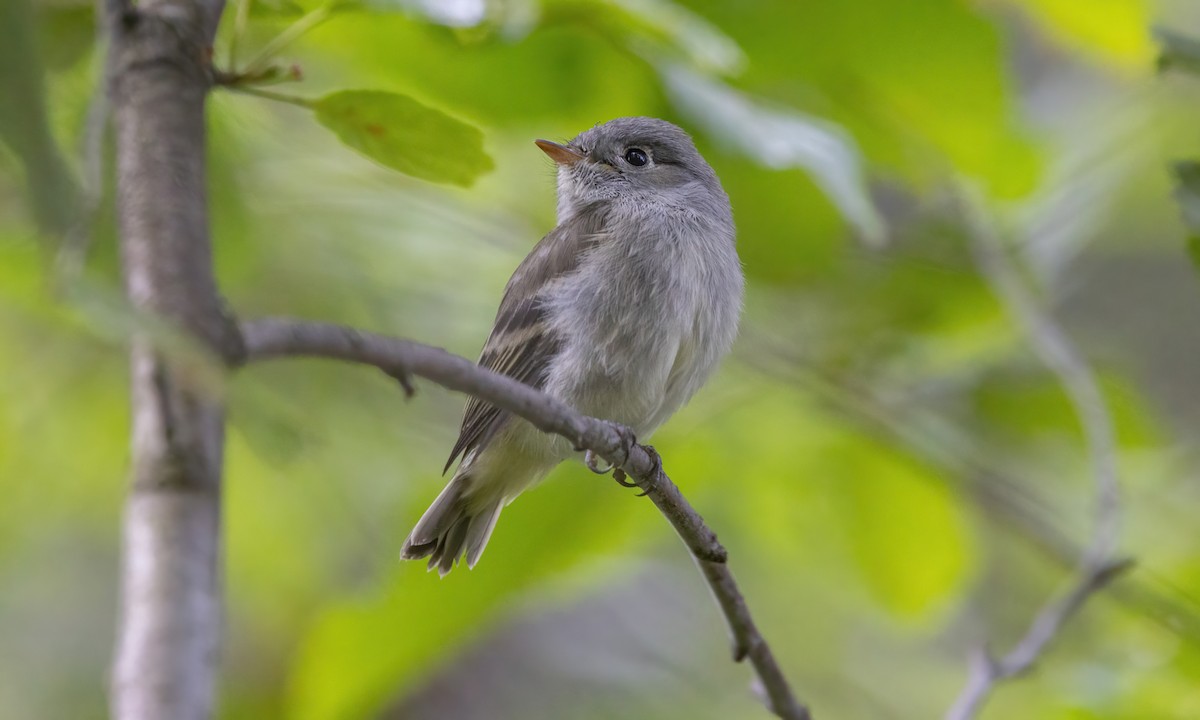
(623, 479)
(626, 442)
(593, 461)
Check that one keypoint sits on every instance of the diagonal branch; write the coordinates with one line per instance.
(276, 338)
(1098, 565)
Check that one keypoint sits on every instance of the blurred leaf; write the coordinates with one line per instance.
(911, 113)
(1177, 51)
(1029, 406)
(907, 532)
(452, 13)
(557, 81)
(360, 651)
(1113, 28)
(780, 139)
(702, 43)
(403, 134)
(1193, 246)
(659, 26)
(1187, 194)
(106, 312)
(65, 34)
(275, 8)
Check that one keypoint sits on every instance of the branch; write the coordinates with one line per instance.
(277, 338)
(1097, 566)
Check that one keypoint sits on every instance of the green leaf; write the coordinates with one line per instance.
(275, 9)
(397, 131)
(65, 34)
(914, 115)
(780, 139)
(907, 533)
(360, 650)
(1179, 52)
(1193, 246)
(705, 46)
(1114, 30)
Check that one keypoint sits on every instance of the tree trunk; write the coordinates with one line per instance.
(171, 606)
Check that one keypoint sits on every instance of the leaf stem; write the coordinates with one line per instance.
(291, 33)
(239, 31)
(271, 95)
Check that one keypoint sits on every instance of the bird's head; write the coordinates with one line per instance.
(636, 158)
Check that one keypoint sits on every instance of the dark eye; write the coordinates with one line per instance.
(636, 157)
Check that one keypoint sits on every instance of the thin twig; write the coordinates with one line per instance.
(275, 338)
(1097, 566)
(270, 95)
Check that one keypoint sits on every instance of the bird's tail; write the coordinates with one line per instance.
(456, 523)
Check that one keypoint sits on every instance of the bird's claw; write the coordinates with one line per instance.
(657, 468)
(627, 440)
(623, 479)
(592, 460)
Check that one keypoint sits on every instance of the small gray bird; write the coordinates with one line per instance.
(622, 312)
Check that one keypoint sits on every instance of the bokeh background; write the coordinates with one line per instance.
(897, 477)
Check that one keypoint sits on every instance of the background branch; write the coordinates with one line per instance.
(934, 440)
(1097, 566)
(274, 338)
(77, 241)
(24, 121)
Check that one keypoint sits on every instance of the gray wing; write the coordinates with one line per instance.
(520, 344)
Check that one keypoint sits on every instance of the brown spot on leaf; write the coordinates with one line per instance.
(376, 129)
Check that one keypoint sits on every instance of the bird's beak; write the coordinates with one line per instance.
(560, 154)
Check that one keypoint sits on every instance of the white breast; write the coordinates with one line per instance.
(646, 317)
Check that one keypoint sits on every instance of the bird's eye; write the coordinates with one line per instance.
(636, 157)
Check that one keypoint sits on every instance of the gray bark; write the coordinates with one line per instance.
(170, 626)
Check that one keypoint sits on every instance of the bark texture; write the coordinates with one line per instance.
(170, 624)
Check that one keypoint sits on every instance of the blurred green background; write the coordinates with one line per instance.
(896, 476)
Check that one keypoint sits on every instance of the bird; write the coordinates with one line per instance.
(622, 311)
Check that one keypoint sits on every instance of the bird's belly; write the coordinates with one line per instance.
(623, 372)
(642, 324)
(631, 395)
